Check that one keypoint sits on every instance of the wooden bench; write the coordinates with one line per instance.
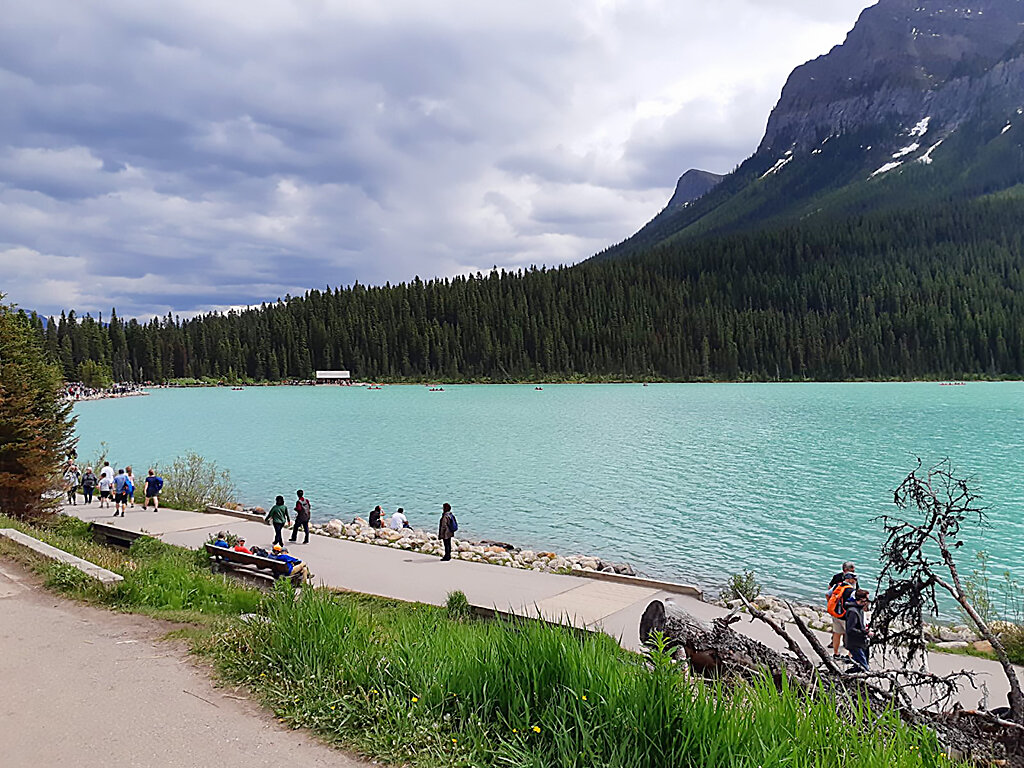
(109, 535)
(225, 559)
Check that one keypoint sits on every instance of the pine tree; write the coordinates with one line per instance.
(36, 426)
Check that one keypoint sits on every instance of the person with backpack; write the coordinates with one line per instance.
(837, 601)
(301, 517)
(154, 484)
(837, 634)
(446, 528)
(858, 636)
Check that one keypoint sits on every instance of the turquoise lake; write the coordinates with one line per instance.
(689, 482)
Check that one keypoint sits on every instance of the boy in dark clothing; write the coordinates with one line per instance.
(857, 633)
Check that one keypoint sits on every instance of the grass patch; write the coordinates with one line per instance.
(420, 685)
(413, 686)
(159, 579)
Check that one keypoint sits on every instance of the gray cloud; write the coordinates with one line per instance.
(189, 155)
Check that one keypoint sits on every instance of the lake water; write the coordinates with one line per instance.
(689, 482)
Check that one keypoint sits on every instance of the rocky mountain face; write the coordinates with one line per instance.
(905, 61)
(924, 100)
(693, 185)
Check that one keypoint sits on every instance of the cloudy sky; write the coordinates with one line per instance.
(195, 154)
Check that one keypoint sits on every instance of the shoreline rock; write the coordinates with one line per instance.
(486, 551)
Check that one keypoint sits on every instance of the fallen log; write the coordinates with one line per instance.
(714, 649)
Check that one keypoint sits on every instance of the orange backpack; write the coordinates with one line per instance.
(837, 598)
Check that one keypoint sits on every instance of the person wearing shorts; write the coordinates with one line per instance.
(106, 490)
(153, 485)
(121, 483)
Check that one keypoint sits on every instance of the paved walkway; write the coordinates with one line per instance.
(92, 688)
(411, 576)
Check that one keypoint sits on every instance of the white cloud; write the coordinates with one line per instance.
(193, 154)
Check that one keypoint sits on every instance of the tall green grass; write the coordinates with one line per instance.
(157, 576)
(410, 685)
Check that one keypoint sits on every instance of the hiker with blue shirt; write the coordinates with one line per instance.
(154, 484)
(121, 486)
(296, 568)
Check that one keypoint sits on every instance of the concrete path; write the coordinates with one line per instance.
(411, 576)
(92, 688)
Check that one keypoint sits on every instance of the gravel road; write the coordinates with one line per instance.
(90, 688)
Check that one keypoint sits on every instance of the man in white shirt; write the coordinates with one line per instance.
(107, 471)
(398, 520)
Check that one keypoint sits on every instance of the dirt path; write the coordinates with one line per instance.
(90, 688)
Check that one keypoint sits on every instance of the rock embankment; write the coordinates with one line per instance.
(493, 553)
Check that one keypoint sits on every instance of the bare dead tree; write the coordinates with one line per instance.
(917, 561)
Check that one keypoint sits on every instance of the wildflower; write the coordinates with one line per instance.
(515, 730)
(455, 741)
(584, 697)
(536, 729)
(415, 699)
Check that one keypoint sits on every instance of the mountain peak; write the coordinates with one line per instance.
(692, 185)
(902, 59)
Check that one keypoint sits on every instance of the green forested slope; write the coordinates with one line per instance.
(935, 291)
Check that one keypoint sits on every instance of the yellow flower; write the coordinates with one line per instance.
(414, 699)
(332, 706)
(455, 741)
(584, 697)
(536, 729)
(515, 730)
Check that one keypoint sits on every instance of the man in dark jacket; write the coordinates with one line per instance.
(446, 529)
(857, 633)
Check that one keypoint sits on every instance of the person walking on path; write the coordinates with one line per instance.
(839, 624)
(106, 488)
(89, 483)
(278, 516)
(120, 493)
(71, 481)
(301, 517)
(446, 529)
(858, 636)
(154, 484)
(131, 480)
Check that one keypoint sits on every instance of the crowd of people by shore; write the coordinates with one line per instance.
(110, 485)
(78, 392)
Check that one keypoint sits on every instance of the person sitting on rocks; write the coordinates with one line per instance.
(375, 517)
(399, 520)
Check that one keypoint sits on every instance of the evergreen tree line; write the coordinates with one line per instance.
(929, 293)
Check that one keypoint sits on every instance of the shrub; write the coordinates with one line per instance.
(744, 584)
(192, 482)
(1013, 642)
(457, 606)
